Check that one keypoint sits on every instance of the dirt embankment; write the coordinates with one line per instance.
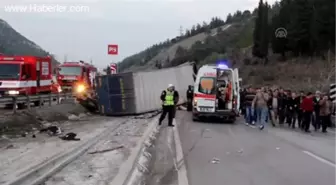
(27, 121)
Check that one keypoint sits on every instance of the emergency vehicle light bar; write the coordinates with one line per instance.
(70, 62)
(222, 66)
(12, 58)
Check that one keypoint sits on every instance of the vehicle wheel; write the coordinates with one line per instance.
(20, 106)
(8, 106)
(36, 103)
(195, 118)
(232, 121)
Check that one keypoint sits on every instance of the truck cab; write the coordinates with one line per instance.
(73, 74)
(216, 93)
(25, 75)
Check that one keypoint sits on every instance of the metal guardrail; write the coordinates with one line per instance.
(40, 99)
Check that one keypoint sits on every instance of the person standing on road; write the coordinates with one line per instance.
(299, 110)
(325, 111)
(307, 107)
(292, 106)
(259, 104)
(281, 106)
(274, 107)
(169, 99)
(248, 99)
(316, 117)
(190, 96)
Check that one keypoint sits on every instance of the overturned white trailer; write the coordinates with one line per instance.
(139, 92)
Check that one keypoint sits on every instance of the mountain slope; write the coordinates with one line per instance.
(13, 43)
(169, 53)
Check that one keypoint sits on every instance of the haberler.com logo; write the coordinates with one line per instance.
(281, 33)
(45, 8)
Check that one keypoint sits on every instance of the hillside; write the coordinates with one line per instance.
(247, 40)
(13, 43)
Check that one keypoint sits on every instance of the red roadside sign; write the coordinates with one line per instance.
(112, 49)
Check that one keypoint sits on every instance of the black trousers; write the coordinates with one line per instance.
(325, 122)
(292, 116)
(189, 105)
(299, 117)
(282, 115)
(317, 120)
(307, 116)
(170, 110)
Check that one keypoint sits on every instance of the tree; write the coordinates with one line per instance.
(228, 19)
(257, 34)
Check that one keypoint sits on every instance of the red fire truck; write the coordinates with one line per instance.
(25, 75)
(77, 75)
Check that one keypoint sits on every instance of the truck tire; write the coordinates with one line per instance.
(20, 106)
(195, 118)
(37, 103)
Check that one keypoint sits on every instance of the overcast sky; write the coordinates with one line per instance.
(132, 24)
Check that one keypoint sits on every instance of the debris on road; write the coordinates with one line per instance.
(73, 117)
(215, 160)
(52, 130)
(70, 137)
(107, 150)
(241, 151)
(277, 148)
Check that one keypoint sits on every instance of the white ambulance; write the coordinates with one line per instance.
(216, 93)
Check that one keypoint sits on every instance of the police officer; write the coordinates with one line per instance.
(190, 96)
(169, 99)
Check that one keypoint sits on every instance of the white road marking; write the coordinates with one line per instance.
(320, 159)
(182, 172)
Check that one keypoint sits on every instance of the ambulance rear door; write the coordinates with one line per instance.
(236, 87)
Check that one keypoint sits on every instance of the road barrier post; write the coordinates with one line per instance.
(50, 99)
(58, 98)
(14, 105)
(28, 102)
(40, 101)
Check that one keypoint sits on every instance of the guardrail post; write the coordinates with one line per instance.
(28, 102)
(65, 96)
(40, 101)
(50, 99)
(58, 98)
(14, 105)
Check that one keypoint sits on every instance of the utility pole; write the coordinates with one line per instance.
(181, 31)
(65, 58)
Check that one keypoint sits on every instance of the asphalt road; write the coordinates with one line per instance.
(236, 154)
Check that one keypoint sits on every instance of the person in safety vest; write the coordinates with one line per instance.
(169, 99)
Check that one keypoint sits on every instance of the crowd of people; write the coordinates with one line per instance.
(284, 107)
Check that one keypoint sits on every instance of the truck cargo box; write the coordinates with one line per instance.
(139, 92)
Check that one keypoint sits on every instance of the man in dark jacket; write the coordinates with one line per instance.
(190, 96)
(316, 117)
(292, 109)
(282, 101)
(242, 100)
(169, 98)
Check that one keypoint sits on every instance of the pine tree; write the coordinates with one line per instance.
(257, 34)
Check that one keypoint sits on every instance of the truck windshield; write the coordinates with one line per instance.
(9, 71)
(207, 85)
(70, 70)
